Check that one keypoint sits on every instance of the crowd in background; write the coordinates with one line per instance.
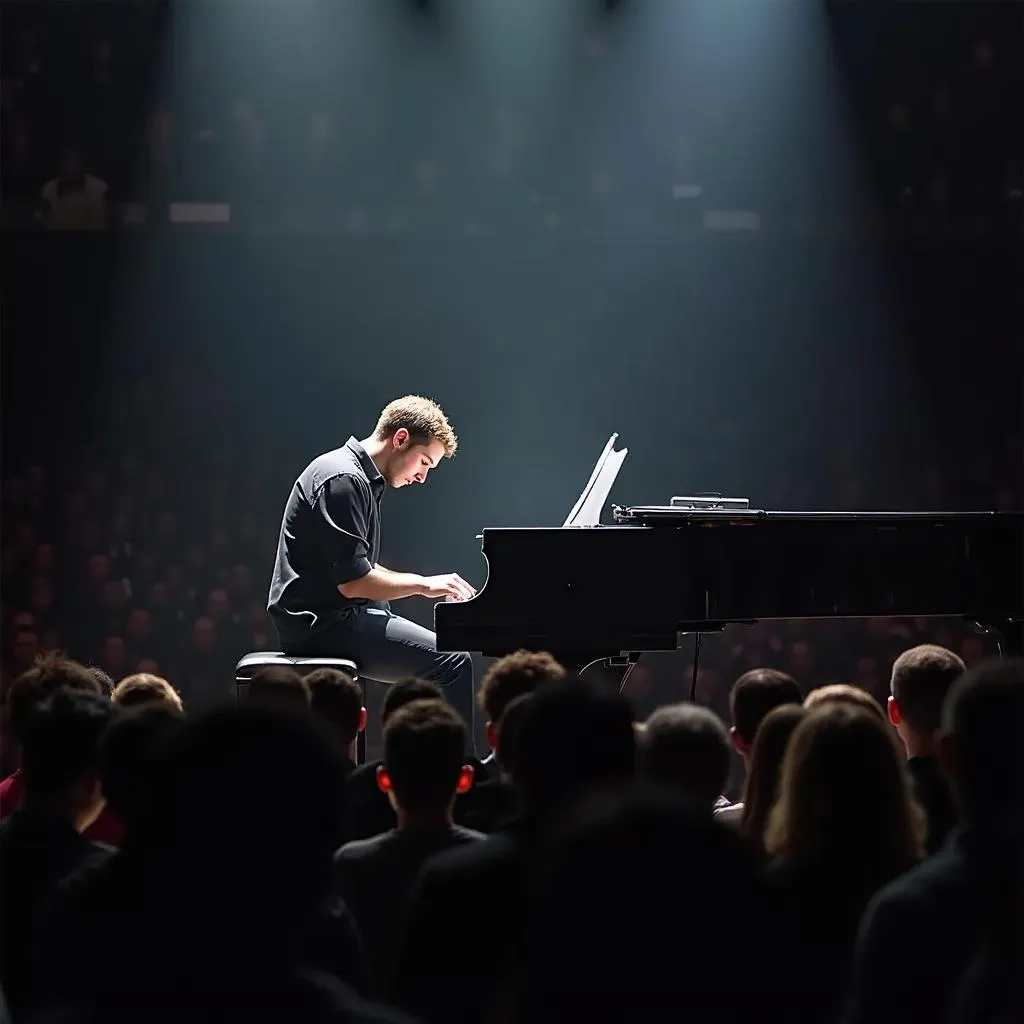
(932, 125)
(239, 861)
(129, 571)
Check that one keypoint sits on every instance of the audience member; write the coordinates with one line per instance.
(100, 904)
(143, 689)
(216, 860)
(932, 922)
(27, 692)
(510, 677)
(633, 916)
(921, 679)
(423, 770)
(685, 748)
(369, 811)
(491, 800)
(991, 990)
(573, 739)
(843, 693)
(42, 842)
(752, 697)
(844, 825)
(764, 771)
(338, 699)
(278, 686)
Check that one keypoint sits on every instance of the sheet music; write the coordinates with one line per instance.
(591, 502)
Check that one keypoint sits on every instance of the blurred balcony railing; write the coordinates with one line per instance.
(1001, 221)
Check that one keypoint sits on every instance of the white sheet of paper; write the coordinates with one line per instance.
(591, 502)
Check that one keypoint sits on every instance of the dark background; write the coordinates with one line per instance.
(512, 209)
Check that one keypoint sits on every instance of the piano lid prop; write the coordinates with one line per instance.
(591, 502)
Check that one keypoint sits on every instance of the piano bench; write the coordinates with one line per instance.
(250, 664)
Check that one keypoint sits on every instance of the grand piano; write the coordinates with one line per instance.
(592, 592)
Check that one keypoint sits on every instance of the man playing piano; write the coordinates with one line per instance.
(329, 594)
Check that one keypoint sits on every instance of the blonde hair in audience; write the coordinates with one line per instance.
(844, 795)
(844, 693)
(143, 689)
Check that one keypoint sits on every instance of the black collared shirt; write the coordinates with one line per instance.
(330, 534)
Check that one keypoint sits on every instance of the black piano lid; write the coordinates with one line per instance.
(716, 566)
(666, 515)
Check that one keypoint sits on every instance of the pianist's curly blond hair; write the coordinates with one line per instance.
(422, 417)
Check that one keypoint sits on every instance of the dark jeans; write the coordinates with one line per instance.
(388, 648)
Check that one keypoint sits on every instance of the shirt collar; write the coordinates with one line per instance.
(373, 474)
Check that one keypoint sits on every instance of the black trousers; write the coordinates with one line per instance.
(387, 648)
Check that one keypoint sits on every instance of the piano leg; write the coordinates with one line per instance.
(1009, 634)
(1012, 639)
(621, 665)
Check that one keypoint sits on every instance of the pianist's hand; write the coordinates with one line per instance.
(448, 585)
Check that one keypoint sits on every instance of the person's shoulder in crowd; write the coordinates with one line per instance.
(460, 835)
(945, 871)
(24, 829)
(91, 855)
(95, 881)
(927, 921)
(729, 814)
(91, 907)
(363, 849)
(360, 850)
(471, 858)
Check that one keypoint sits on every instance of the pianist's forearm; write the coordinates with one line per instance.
(381, 584)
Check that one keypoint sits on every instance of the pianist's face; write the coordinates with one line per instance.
(409, 462)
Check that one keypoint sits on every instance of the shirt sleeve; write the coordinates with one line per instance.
(344, 509)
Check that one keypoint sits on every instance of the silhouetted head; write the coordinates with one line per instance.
(686, 749)
(574, 738)
(921, 679)
(257, 811)
(982, 723)
(670, 878)
(278, 685)
(510, 677)
(131, 759)
(423, 767)
(338, 699)
(753, 696)
(405, 691)
(60, 754)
